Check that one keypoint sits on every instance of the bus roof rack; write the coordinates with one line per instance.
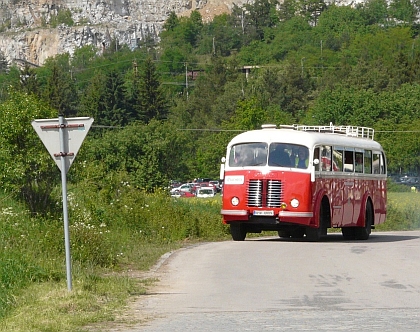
(354, 131)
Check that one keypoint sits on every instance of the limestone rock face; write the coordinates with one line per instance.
(26, 33)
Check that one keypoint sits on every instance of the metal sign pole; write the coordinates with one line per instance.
(71, 132)
(64, 197)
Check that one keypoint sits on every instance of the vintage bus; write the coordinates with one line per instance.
(301, 180)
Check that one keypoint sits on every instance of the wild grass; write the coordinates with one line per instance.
(403, 212)
(114, 232)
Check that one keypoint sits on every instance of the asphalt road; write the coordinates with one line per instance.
(274, 284)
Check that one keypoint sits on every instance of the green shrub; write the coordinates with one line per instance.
(403, 212)
(393, 186)
(62, 17)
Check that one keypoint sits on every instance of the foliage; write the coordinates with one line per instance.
(149, 96)
(26, 169)
(402, 212)
(167, 111)
(62, 17)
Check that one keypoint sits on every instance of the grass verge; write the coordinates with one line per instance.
(112, 243)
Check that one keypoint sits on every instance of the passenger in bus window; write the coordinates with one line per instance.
(359, 163)
(279, 157)
(302, 160)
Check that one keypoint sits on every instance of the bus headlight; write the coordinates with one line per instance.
(294, 203)
(234, 201)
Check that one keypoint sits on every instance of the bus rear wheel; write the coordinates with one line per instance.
(238, 231)
(362, 233)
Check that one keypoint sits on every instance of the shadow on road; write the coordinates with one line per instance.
(379, 237)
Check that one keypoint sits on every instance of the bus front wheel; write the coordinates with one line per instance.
(362, 233)
(315, 234)
(238, 231)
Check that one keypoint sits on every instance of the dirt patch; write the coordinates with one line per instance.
(134, 314)
(212, 8)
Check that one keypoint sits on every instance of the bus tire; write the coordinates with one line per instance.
(297, 233)
(238, 231)
(284, 233)
(349, 233)
(314, 234)
(362, 233)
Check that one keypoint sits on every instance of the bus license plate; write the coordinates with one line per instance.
(263, 213)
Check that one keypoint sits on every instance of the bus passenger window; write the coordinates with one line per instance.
(348, 161)
(358, 165)
(338, 160)
(383, 169)
(326, 158)
(368, 162)
(376, 163)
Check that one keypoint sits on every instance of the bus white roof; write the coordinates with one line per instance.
(310, 136)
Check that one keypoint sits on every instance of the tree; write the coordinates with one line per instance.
(403, 10)
(27, 171)
(28, 80)
(262, 14)
(152, 103)
(3, 63)
(171, 22)
(148, 154)
(374, 11)
(60, 91)
(112, 102)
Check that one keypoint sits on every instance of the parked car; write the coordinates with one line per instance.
(183, 194)
(186, 187)
(216, 184)
(205, 192)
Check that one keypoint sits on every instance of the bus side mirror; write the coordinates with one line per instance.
(222, 172)
(315, 162)
(222, 169)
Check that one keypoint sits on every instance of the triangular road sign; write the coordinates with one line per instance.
(74, 132)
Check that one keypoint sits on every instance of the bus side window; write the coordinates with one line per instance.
(358, 162)
(338, 155)
(326, 158)
(383, 166)
(376, 163)
(368, 162)
(349, 161)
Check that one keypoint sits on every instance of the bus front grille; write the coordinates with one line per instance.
(264, 193)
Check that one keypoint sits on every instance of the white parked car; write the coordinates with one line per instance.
(205, 192)
(186, 187)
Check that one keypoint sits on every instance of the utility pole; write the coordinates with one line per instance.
(186, 79)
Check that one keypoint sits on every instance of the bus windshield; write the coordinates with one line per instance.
(277, 155)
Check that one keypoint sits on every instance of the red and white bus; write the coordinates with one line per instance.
(301, 180)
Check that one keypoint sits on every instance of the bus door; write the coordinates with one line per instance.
(348, 187)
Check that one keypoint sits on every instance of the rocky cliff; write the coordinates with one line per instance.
(26, 33)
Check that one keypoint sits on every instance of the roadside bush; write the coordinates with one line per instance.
(403, 212)
(393, 186)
